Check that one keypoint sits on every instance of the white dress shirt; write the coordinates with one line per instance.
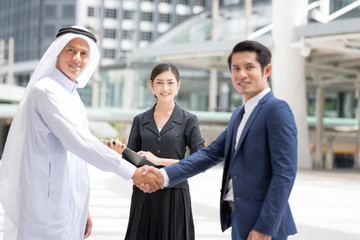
(249, 107)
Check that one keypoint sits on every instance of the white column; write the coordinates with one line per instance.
(288, 74)
(11, 62)
(213, 83)
(320, 102)
(128, 92)
(325, 6)
(213, 90)
(329, 160)
(248, 13)
(215, 16)
(2, 138)
(357, 157)
(96, 78)
(2, 60)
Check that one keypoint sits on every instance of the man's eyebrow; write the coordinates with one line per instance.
(83, 49)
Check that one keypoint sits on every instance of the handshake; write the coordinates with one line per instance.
(148, 179)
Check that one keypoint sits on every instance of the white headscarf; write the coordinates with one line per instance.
(10, 170)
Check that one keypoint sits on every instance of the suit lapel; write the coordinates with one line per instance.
(149, 121)
(231, 129)
(251, 120)
(175, 118)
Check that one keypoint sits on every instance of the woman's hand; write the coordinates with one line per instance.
(116, 145)
(151, 157)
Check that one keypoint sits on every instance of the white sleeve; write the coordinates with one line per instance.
(166, 177)
(76, 137)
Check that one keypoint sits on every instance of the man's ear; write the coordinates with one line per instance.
(267, 70)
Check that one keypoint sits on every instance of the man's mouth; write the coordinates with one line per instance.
(243, 83)
(74, 67)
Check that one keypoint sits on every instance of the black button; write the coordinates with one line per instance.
(158, 139)
(157, 152)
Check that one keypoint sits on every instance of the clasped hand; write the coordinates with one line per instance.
(148, 179)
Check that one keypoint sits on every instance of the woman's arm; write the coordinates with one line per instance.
(156, 160)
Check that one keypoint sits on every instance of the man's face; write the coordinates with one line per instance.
(73, 58)
(247, 76)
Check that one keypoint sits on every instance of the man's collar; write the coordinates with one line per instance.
(252, 102)
(63, 80)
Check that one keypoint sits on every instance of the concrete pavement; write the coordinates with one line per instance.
(326, 205)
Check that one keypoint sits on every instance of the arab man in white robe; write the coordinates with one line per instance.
(44, 182)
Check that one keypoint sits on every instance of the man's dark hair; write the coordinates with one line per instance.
(164, 67)
(263, 55)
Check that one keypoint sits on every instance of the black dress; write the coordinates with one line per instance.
(165, 214)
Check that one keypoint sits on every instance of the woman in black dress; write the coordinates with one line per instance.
(162, 134)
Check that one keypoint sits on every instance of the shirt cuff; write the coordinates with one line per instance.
(126, 169)
(166, 177)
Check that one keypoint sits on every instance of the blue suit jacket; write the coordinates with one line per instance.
(263, 168)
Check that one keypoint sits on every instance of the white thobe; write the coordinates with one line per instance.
(55, 181)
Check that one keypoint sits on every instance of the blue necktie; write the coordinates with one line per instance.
(236, 126)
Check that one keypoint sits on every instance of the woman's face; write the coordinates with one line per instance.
(165, 86)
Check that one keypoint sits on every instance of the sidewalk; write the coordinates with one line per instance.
(325, 205)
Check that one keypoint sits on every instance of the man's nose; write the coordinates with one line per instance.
(241, 74)
(77, 57)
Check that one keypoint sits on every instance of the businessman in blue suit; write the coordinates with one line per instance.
(259, 150)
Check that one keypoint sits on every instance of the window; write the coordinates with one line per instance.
(109, 53)
(146, 36)
(127, 35)
(183, 2)
(110, 33)
(164, 17)
(50, 11)
(146, 16)
(110, 13)
(200, 3)
(128, 14)
(91, 12)
(181, 18)
(68, 11)
(49, 31)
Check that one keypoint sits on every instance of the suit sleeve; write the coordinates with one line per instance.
(197, 162)
(282, 142)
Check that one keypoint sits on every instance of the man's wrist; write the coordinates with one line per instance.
(165, 177)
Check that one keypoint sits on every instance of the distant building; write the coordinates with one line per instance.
(121, 25)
